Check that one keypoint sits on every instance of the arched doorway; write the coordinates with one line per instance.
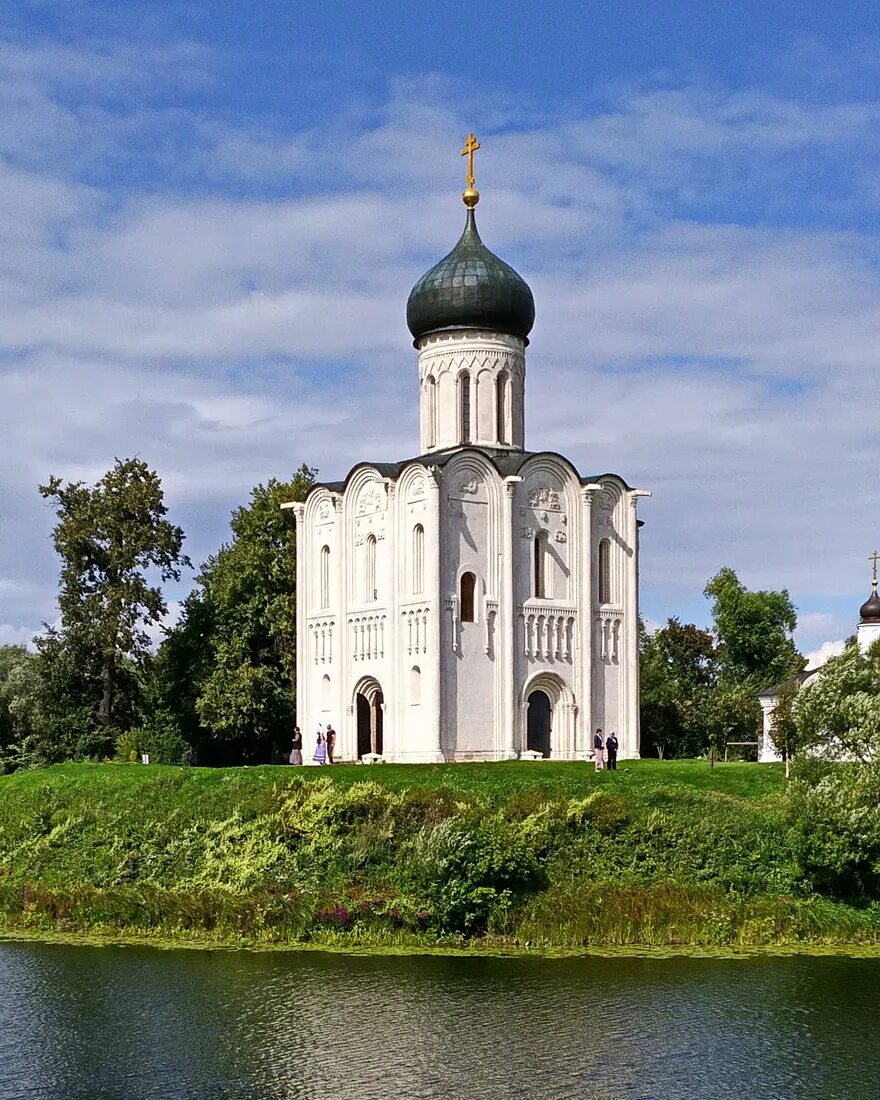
(548, 717)
(539, 723)
(370, 708)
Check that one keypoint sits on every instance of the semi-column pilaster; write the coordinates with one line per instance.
(434, 664)
(505, 744)
(587, 719)
(300, 597)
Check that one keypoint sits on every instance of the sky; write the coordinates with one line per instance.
(212, 213)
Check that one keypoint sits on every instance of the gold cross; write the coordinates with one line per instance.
(875, 557)
(470, 147)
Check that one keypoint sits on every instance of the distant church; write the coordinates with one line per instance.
(867, 632)
(480, 600)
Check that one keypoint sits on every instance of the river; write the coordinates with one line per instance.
(138, 1023)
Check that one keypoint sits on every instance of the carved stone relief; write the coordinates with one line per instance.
(544, 497)
(370, 501)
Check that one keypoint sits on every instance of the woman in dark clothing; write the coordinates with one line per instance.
(296, 751)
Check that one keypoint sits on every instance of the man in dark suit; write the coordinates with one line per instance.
(611, 747)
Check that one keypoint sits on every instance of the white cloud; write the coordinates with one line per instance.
(227, 333)
(824, 653)
(16, 635)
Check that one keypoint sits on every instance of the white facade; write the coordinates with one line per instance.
(475, 601)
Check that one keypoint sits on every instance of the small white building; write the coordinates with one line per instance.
(867, 633)
(479, 599)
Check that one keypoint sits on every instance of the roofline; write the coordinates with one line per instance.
(394, 470)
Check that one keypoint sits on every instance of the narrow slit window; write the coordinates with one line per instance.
(468, 593)
(418, 560)
(465, 407)
(432, 411)
(370, 591)
(604, 571)
(325, 576)
(541, 587)
(501, 408)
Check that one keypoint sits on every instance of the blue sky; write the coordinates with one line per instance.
(211, 215)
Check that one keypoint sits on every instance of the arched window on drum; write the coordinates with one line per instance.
(464, 407)
(431, 387)
(501, 399)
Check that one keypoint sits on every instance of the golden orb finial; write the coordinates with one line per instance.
(470, 196)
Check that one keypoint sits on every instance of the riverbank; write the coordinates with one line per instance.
(498, 857)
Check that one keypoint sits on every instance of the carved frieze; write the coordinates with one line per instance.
(370, 501)
(544, 497)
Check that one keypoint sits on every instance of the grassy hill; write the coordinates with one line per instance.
(545, 854)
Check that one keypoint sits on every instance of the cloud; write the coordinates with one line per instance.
(228, 313)
(16, 635)
(824, 653)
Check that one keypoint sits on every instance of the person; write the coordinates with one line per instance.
(320, 756)
(611, 746)
(145, 758)
(296, 749)
(330, 738)
(188, 757)
(599, 750)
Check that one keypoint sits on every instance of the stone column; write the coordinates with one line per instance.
(587, 600)
(505, 744)
(433, 665)
(300, 597)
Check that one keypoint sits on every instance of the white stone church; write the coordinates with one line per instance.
(479, 600)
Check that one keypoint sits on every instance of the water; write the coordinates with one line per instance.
(82, 1022)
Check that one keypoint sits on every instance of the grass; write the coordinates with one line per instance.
(553, 855)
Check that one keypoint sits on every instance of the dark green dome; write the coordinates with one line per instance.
(471, 288)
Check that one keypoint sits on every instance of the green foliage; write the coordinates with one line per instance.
(226, 671)
(555, 854)
(837, 828)
(108, 537)
(678, 670)
(840, 709)
(22, 705)
(754, 631)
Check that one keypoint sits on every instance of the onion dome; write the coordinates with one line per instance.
(870, 609)
(471, 288)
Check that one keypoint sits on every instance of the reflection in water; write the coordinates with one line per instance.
(141, 1024)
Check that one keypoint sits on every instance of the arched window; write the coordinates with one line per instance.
(501, 408)
(325, 693)
(324, 575)
(464, 407)
(432, 410)
(541, 568)
(604, 571)
(468, 586)
(415, 686)
(418, 560)
(370, 590)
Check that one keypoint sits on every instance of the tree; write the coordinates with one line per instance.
(22, 699)
(229, 665)
(839, 709)
(786, 734)
(729, 712)
(108, 538)
(753, 630)
(678, 667)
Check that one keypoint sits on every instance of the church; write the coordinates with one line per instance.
(479, 601)
(867, 633)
